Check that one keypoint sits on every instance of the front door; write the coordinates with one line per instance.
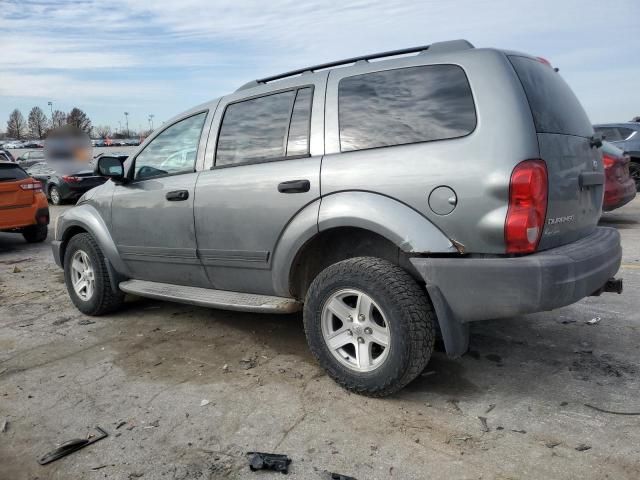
(152, 214)
(266, 170)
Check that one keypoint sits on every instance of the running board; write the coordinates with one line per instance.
(206, 297)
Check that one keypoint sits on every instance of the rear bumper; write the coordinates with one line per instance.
(485, 288)
(619, 195)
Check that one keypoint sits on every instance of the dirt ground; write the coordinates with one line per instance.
(184, 392)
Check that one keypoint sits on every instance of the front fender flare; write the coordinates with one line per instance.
(88, 218)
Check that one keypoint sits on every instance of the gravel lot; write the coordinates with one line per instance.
(143, 374)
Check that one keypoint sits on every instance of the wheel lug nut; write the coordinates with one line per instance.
(350, 318)
(368, 331)
(349, 332)
(360, 340)
(361, 317)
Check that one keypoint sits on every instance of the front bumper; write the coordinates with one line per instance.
(486, 288)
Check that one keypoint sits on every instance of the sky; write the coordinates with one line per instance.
(162, 57)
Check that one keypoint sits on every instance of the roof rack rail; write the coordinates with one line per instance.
(438, 47)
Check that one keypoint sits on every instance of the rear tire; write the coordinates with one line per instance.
(95, 296)
(403, 311)
(54, 195)
(35, 233)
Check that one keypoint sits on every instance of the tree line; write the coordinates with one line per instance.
(38, 124)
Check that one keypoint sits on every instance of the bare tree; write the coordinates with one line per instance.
(79, 119)
(38, 122)
(16, 126)
(58, 119)
(103, 131)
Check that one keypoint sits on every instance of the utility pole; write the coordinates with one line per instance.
(51, 107)
(126, 115)
(151, 121)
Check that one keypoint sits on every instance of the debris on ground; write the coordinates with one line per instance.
(248, 363)
(593, 321)
(338, 476)
(5, 426)
(71, 446)
(204, 402)
(483, 422)
(583, 447)
(225, 368)
(603, 410)
(86, 321)
(491, 407)
(551, 444)
(16, 269)
(269, 461)
(519, 431)
(121, 424)
(454, 403)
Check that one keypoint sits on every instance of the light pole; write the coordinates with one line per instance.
(51, 106)
(126, 115)
(151, 121)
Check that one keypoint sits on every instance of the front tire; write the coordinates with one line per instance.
(54, 195)
(369, 325)
(35, 233)
(87, 278)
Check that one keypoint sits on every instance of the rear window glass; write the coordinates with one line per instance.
(554, 106)
(11, 172)
(610, 133)
(406, 105)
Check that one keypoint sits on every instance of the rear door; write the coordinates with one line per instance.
(13, 199)
(266, 169)
(575, 169)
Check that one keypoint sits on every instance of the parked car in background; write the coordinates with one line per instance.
(625, 136)
(65, 180)
(348, 190)
(619, 187)
(5, 155)
(13, 145)
(30, 158)
(23, 205)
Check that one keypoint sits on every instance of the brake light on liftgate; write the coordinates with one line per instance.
(70, 179)
(527, 206)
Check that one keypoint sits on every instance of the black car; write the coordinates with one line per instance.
(65, 180)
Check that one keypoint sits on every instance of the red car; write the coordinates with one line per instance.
(620, 188)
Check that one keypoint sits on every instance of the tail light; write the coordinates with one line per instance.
(34, 185)
(527, 206)
(70, 179)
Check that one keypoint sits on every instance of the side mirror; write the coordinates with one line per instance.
(111, 167)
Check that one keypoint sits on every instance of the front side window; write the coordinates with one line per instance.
(266, 128)
(173, 151)
(406, 105)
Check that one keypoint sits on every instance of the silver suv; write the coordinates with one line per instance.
(393, 199)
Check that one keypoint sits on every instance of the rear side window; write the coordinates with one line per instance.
(406, 105)
(610, 133)
(625, 133)
(272, 127)
(10, 172)
(554, 106)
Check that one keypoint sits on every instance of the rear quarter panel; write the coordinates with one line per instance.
(477, 167)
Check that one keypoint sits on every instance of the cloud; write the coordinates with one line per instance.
(194, 50)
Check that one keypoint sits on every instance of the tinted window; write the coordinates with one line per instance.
(298, 142)
(407, 105)
(255, 130)
(11, 172)
(609, 133)
(625, 133)
(173, 151)
(554, 106)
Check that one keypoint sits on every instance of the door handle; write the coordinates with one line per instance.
(294, 186)
(177, 195)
